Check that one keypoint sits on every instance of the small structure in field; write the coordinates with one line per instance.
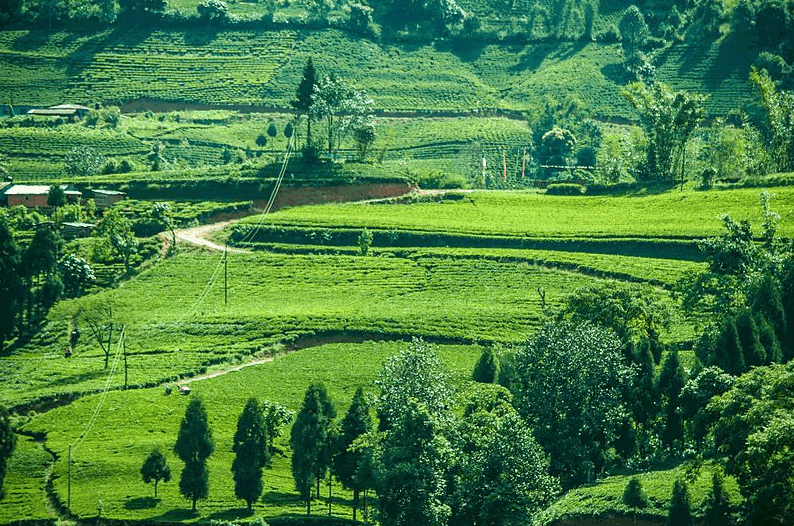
(62, 110)
(106, 198)
(35, 195)
(185, 390)
(71, 230)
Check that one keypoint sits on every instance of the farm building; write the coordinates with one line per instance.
(63, 110)
(33, 196)
(106, 198)
(70, 230)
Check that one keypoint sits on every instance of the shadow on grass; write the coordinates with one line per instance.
(176, 516)
(231, 515)
(279, 497)
(141, 503)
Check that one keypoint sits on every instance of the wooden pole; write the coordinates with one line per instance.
(124, 346)
(69, 482)
(524, 164)
(225, 274)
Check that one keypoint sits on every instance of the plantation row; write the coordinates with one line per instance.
(213, 66)
(684, 216)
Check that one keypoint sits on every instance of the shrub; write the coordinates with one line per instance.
(272, 130)
(565, 189)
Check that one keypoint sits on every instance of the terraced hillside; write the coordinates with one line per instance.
(263, 68)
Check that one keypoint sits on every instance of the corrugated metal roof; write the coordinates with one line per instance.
(36, 189)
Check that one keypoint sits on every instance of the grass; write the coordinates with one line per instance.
(25, 481)
(130, 424)
(669, 215)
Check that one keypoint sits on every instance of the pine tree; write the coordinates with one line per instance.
(728, 353)
(7, 443)
(671, 381)
(309, 439)
(680, 513)
(303, 96)
(769, 339)
(769, 303)
(10, 283)
(155, 468)
(487, 368)
(634, 497)
(754, 353)
(194, 445)
(716, 507)
(357, 422)
(252, 453)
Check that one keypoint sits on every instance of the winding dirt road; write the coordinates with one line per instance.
(198, 236)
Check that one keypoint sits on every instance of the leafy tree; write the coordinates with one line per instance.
(341, 107)
(56, 197)
(303, 96)
(779, 108)
(151, 6)
(696, 394)
(754, 429)
(261, 141)
(309, 439)
(164, 216)
(11, 291)
(76, 275)
(634, 497)
(364, 136)
(556, 148)
(356, 423)
(411, 474)
(155, 468)
(102, 323)
(669, 119)
(275, 417)
(39, 261)
(83, 160)
(213, 11)
(571, 380)
(7, 443)
(633, 28)
(414, 373)
(501, 477)
(252, 454)
(114, 237)
(364, 242)
(717, 509)
(487, 368)
(680, 512)
(194, 445)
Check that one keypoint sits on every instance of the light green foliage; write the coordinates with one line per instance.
(343, 109)
(779, 108)
(634, 497)
(571, 378)
(83, 161)
(364, 242)
(114, 239)
(414, 374)
(76, 275)
(668, 118)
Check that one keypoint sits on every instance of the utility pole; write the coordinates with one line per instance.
(124, 346)
(225, 274)
(69, 483)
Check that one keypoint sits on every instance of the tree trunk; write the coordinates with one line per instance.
(155, 488)
(330, 134)
(309, 506)
(330, 486)
(308, 130)
(194, 504)
(355, 503)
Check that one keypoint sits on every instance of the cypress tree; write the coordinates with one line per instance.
(194, 445)
(754, 353)
(487, 368)
(309, 439)
(769, 339)
(729, 355)
(769, 302)
(7, 443)
(716, 507)
(252, 453)
(643, 399)
(303, 96)
(634, 497)
(671, 381)
(680, 513)
(357, 422)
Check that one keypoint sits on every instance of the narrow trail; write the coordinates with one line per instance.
(198, 236)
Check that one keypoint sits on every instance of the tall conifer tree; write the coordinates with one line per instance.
(194, 445)
(252, 453)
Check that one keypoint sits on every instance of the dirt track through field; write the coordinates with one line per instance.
(198, 236)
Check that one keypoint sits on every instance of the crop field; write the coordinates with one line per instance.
(262, 68)
(146, 419)
(672, 215)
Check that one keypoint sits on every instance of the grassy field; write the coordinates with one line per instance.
(668, 215)
(129, 424)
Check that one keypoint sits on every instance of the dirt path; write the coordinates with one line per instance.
(198, 236)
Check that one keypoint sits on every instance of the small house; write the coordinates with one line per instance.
(106, 198)
(35, 196)
(62, 110)
(71, 230)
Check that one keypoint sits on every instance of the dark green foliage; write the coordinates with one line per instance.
(11, 290)
(696, 394)
(83, 161)
(213, 11)
(633, 28)
(728, 352)
(680, 513)
(634, 497)
(411, 471)
(487, 368)
(717, 509)
(251, 453)
(272, 130)
(753, 428)
(261, 141)
(347, 462)
(672, 379)
(76, 275)
(7, 443)
(768, 303)
(194, 445)
(754, 352)
(155, 468)
(564, 189)
(309, 438)
(56, 196)
(768, 340)
(571, 380)
(643, 398)
(303, 96)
